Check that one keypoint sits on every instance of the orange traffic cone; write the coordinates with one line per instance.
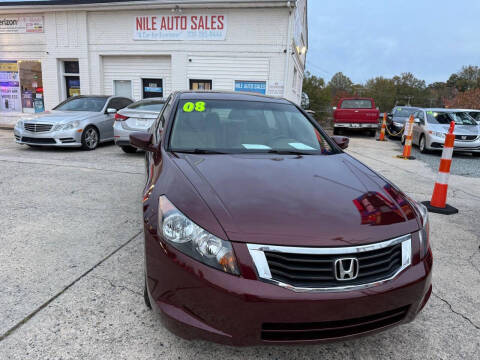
(382, 131)
(407, 148)
(438, 204)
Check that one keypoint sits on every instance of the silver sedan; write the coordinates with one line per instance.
(80, 121)
(431, 125)
(138, 116)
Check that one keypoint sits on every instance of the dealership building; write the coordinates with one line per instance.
(51, 50)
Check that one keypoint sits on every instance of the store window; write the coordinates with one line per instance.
(21, 87)
(152, 88)
(72, 78)
(200, 84)
(122, 88)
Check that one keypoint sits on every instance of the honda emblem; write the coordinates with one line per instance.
(346, 269)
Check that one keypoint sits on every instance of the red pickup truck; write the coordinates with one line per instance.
(356, 113)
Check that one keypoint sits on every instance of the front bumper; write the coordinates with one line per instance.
(199, 302)
(64, 138)
(436, 143)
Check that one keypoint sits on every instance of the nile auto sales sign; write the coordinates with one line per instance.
(180, 27)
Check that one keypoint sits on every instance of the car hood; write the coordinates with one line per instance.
(55, 116)
(459, 129)
(299, 200)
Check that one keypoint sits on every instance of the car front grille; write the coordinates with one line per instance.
(38, 140)
(278, 332)
(466, 137)
(311, 269)
(37, 128)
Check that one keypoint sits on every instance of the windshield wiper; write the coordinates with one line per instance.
(199, 151)
(288, 152)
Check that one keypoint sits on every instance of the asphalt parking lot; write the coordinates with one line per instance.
(71, 262)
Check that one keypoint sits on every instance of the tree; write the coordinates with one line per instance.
(318, 94)
(469, 99)
(339, 83)
(383, 91)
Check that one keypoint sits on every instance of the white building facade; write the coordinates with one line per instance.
(50, 50)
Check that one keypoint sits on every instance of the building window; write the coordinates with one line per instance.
(71, 77)
(200, 84)
(122, 88)
(152, 88)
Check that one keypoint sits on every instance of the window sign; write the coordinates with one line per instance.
(20, 24)
(10, 99)
(152, 88)
(180, 27)
(251, 86)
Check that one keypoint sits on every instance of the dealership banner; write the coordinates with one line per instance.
(20, 24)
(180, 27)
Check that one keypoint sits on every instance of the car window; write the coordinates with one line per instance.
(160, 121)
(403, 112)
(119, 103)
(82, 104)
(148, 105)
(356, 104)
(244, 127)
(440, 117)
(421, 117)
(475, 115)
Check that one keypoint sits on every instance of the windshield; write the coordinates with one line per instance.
(244, 127)
(460, 118)
(403, 112)
(356, 104)
(83, 104)
(147, 105)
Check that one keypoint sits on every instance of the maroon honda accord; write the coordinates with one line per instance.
(259, 229)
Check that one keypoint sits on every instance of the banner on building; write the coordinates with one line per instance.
(180, 27)
(251, 86)
(20, 24)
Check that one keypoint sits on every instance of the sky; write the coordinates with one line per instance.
(369, 38)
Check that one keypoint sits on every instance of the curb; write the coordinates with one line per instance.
(7, 127)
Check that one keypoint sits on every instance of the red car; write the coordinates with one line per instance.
(356, 114)
(259, 229)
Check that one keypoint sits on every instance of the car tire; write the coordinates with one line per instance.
(145, 296)
(129, 149)
(422, 145)
(402, 140)
(90, 138)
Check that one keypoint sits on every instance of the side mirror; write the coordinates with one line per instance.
(111, 111)
(341, 141)
(143, 141)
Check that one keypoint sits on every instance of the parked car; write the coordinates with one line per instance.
(138, 116)
(431, 125)
(356, 114)
(259, 229)
(80, 121)
(397, 118)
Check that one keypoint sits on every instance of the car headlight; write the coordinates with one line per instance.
(67, 126)
(189, 238)
(438, 134)
(424, 234)
(19, 124)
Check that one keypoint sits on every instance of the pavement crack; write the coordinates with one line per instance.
(118, 286)
(456, 312)
(470, 260)
(49, 301)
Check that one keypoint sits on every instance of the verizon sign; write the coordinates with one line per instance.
(21, 24)
(180, 27)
